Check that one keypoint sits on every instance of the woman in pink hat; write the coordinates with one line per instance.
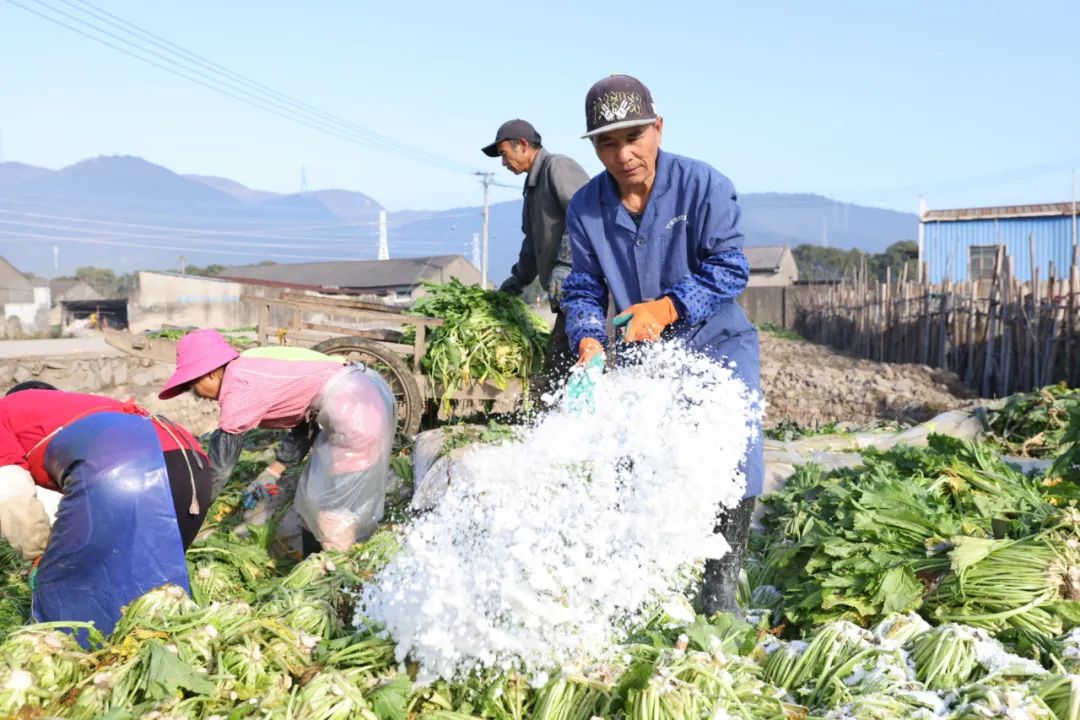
(345, 415)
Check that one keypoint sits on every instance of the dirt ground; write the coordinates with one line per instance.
(813, 385)
(809, 384)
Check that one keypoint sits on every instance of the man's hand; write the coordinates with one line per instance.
(647, 319)
(263, 487)
(511, 286)
(23, 522)
(588, 349)
(554, 288)
(582, 381)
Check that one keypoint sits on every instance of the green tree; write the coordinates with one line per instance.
(106, 282)
(895, 258)
(826, 264)
(212, 270)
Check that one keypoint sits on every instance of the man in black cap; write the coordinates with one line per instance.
(659, 233)
(545, 252)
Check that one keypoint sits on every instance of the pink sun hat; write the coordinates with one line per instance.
(197, 354)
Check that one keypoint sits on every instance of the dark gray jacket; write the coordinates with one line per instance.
(545, 252)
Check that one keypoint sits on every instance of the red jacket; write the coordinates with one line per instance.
(29, 416)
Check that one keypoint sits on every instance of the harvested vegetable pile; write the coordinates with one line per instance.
(239, 342)
(950, 531)
(1033, 424)
(986, 557)
(487, 336)
(14, 588)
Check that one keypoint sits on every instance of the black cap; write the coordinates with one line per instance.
(617, 101)
(512, 130)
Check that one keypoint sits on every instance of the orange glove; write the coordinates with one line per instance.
(647, 319)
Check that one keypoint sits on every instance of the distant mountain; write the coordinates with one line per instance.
(126, 214)
(241, 192)
(119, 183)
(795, 219)
(13, 173)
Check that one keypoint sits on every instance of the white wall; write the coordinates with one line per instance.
(33, 316)
(187, 300)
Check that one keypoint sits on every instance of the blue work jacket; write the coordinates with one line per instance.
(688, 246)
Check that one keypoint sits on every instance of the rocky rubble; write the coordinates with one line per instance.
(805, 383)
(120, 377)
(813, 385)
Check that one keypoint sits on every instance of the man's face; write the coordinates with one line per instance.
(630, 154)
(514, 155)
(209, 385)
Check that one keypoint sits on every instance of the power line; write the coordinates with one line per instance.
(119, 243)
(169, 46)
(174, 237)
(185, 232)
(194, 231)
(292, 110)
(128, 239)
(283, 225)
(985, 180)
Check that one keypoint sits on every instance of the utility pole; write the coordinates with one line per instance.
(183, 264)
(56, 257)
(485, 180)
(384, 244)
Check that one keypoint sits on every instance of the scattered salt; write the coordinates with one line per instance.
(546, 550)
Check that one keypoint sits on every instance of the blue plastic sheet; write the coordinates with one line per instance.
(115, 535)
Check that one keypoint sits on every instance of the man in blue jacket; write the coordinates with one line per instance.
(660, 233)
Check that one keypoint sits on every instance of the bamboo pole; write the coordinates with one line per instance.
(973, 312)
(943, 324)
(1053, 323)
(988, 367)
(1074, 285)
(1007, 334)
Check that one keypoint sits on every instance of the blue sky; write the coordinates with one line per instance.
(868, 102)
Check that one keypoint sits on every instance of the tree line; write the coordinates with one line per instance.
(112, 285)
(827, 264)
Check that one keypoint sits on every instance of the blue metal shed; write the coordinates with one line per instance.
(961, 244)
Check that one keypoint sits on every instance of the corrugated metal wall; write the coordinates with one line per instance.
(946, 245)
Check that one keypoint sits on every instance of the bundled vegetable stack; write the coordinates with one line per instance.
(487, 336)
(14, 588)
(950, 531)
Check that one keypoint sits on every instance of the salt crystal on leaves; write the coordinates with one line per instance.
(548, 549)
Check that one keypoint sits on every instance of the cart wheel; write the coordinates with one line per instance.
(392, 369)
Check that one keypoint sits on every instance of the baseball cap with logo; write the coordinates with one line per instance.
(512, 130)
(616, 102)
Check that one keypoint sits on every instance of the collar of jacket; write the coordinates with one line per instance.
(534, 171)
(609, 189)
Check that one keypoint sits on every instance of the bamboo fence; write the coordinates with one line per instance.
(998, 335)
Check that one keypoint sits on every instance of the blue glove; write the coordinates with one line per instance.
(265, 486)
(582, 383)
(32, 579)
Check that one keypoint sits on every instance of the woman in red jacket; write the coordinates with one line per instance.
(135, 491)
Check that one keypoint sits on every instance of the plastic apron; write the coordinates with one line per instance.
(115, 536)
(342, 491)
